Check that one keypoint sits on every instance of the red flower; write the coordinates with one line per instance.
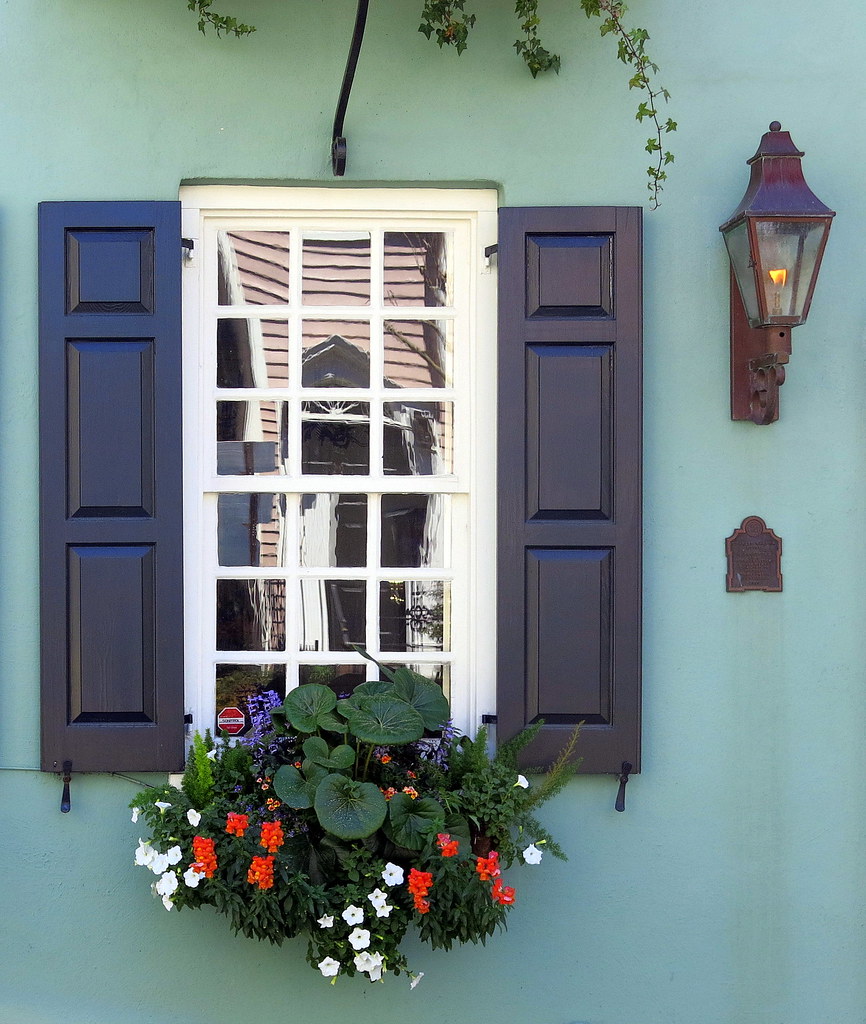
(419, 886)
(205, 859)
(385, 759)
(503, 894)
(261, 872)
(447, 845)
(488, 867)
(237, 824)
(272, 836)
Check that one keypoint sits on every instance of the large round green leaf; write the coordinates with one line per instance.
(349, 809)
(318, 752)
(382, 720)
(292, 788)
(411, 822)
(426, 697)
(308, 706)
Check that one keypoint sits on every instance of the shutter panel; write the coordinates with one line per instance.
(568, 568)
(111, 486)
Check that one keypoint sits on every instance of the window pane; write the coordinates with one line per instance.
(417, 353)
(333, 530)
(236, 684)
(413, 530)
(333, 614)
(336, 438)
(418, 438)
(336, 354)
(251, 615)
(415, 270)
(251, 437)
(337, 269)
(414, 616)
(252, 353)
(341, 678)
(253, 268)
(251, 529)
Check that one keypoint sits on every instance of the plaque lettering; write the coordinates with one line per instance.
(754, 556)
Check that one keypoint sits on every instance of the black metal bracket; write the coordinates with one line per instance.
(338, 142)
(65, 799)
(623, 779)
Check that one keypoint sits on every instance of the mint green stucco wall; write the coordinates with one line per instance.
(731, 890)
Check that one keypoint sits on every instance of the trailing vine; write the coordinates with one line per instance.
(449, 23)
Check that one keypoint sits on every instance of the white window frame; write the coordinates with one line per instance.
(471, 214)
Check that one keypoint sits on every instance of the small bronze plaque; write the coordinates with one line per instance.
(754, 557)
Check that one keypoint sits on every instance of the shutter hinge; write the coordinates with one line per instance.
(489, 252)
(488, 719)
(65, 799)
(623, 779)
(188, 246)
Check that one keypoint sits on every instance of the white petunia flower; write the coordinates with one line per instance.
(353, 915)
(144, 854)
(159, 865)
(135, 813)
(326, 921)
(378, 898)
(370, 963)
(192, 877)
(162, 805)
(393, 874)
(193, 817)
(532, 855)
(359, 938)
(212, 755)
(384, 910)
(522, 781)
(329, 967)
(415, 979)
(167, 884)
(166, 902)
(175, 855)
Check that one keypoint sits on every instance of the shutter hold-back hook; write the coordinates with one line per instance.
(65, 799)
(623, 779)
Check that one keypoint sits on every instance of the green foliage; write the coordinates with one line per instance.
(446, 20)
(198, 781)
(322, 831)
(218, 22)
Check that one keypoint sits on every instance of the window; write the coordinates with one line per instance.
(339, 441)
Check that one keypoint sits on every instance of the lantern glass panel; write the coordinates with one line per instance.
(737, 241)
(788, 251)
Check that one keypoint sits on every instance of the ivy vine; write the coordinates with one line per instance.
(450, 24)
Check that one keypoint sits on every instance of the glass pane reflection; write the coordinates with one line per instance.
(335, 438)
(418, 438)
(251, 437)
(333, 614)
(251, 615)
(238, 684)
(336, 269)
(414, 615)
(417, 353)
(336, 354)
(415, 269)
(333, 530)
(253, 268)
(251, 529)
(252, 353)
(413, 530)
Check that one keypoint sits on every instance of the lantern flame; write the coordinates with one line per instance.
(779, 277)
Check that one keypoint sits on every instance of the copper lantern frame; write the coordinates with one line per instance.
(775, 240)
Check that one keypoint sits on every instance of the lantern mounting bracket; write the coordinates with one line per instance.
(338, 141)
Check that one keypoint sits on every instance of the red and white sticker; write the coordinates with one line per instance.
(231, 720)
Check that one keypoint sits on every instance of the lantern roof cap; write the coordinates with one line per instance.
(777, 187)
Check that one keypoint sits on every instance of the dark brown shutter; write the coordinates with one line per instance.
(111, 487)
(569, 583)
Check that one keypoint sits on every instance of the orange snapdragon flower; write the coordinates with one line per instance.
(389, 792)
(205, 862)
(447, 845)
(503, 894)
(411, 792)
(488, 867)
(272, 836)
(237, 824)
(419, 886)
(385, 759)
(261, 872)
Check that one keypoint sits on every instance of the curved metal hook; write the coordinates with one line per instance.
(338, 142)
